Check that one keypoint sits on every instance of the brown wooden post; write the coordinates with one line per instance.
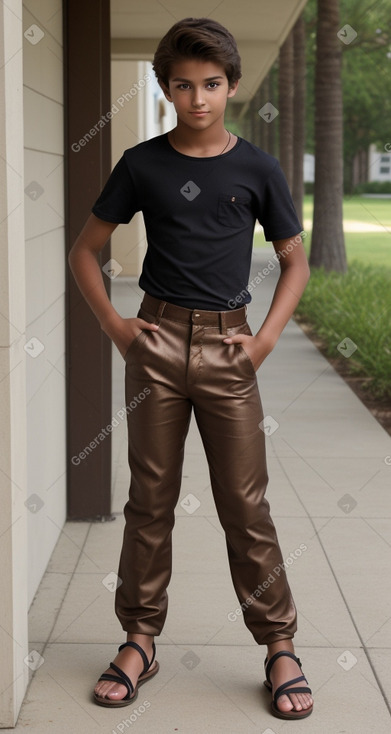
(88, 164)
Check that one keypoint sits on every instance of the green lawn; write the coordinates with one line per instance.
(369, 247)
(353, 310)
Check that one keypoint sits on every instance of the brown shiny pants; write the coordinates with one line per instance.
(185, 365)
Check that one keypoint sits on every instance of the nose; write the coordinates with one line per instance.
(198, 97)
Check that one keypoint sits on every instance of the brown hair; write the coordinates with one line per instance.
(200, 38)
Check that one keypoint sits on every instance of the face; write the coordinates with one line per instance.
(199, 92)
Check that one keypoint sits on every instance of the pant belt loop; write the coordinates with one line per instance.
(223, 323)
(160, 311)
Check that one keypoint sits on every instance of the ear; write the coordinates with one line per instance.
(232, 90)
(165, 91)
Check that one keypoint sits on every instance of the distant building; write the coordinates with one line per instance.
(309, 168)
(368, 165)
(379, 164)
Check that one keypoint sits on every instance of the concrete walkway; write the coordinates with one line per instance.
(329, 493)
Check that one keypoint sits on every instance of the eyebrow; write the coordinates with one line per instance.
(208, 79)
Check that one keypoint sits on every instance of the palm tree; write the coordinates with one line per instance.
(328, 245)
(299, 98)
(285, 107)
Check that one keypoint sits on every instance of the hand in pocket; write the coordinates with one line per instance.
(124, 331)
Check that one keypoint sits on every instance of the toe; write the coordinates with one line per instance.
(296, 703)
(117, 693)
(306, 700)
(284, 704)
(101, 689)
(113, 691)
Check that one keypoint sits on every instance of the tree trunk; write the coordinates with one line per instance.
(328, 245)
(363, 165)
(271, 95)
(262, 126)
(299, 98)
(253, 122)
(351, 174)
(258, 125)
(366, 177)
(285, 107)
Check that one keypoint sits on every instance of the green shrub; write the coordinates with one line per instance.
(357, 305)
(373, 187)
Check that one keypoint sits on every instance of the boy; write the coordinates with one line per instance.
(200, 189)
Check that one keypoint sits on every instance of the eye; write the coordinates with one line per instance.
(215, 85)
(183, 85)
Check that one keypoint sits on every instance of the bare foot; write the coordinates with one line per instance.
(131, 662)
(283, 670)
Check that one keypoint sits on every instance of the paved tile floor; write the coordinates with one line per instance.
(329, 490)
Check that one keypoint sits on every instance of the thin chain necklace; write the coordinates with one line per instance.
(225, 146)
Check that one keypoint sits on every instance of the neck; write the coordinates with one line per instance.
(199, 140)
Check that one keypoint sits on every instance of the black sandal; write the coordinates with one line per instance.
(125, 680)
(284, 688)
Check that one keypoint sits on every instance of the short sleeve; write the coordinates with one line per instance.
(278, 216)
(118, 199)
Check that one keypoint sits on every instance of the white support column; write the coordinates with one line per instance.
(13, 527)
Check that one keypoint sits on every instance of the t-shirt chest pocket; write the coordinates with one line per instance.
(234, 211)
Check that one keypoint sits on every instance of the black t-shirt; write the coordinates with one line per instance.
(199, 216)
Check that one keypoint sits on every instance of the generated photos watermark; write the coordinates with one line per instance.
(121, 414)
(273, 575)
(261, 275)
(115, 108)
(132, 718)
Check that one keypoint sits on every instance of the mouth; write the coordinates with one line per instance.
(199, 114)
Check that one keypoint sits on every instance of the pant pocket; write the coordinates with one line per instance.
(142, 336)
(243, 356)
(246, 359)
(134, 344)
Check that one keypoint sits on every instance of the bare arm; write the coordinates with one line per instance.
(293, 279)
(83, 261)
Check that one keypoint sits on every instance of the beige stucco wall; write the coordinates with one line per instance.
(32, 326)
(13, 516)
(45, 280)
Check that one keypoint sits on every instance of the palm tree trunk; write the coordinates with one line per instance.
(263, 128)
(299, 98)
(285, 107)
(260, 127)
(271, 95)
(328, 245)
